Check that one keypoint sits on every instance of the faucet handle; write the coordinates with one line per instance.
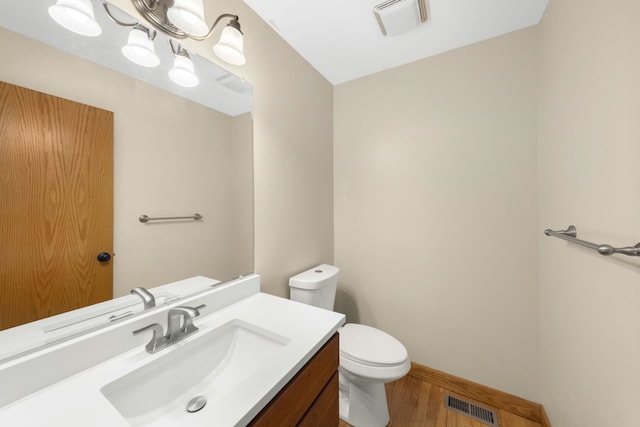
(199, 307)
(187, 312)
(158, 338)
(177, 328)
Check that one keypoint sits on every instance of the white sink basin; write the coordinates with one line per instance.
(211, 365)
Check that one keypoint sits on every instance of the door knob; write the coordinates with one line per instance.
(104, 256)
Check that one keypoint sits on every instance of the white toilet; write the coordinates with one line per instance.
(369, 358)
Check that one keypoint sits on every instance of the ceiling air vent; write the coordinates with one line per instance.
(234, 83)
(398, 16)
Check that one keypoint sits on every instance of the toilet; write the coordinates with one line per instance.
(369, 357)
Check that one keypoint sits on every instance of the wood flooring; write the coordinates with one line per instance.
(417, 403)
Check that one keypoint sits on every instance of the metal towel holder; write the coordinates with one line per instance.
(146, 218)
(570, 235)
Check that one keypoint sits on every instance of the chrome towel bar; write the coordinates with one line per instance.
(571, 234)
(146, 218)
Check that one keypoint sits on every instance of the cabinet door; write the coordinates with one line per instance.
(325, 411)
(299, 397)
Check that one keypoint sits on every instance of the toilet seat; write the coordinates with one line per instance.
(369, 346)
(369, 354)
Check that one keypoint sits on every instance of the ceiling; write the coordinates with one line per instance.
(342, 40)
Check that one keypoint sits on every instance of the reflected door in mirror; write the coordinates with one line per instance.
(56, 205)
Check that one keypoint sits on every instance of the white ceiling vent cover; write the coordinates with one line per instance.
(398, 16)
(234, 83)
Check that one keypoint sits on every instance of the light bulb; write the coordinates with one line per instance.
(76, 16)
(183, 73)
(230, 46)
(139, 49)
(188, 15)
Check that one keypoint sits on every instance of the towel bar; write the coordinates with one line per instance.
(571, 235)
(146, 218)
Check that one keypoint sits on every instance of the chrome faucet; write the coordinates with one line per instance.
(179, 326)
(180, 322)
(148, 299)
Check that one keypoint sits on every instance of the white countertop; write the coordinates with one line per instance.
(51, 329)
(78, 400)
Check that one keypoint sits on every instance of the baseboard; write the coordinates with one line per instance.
(483, 394)
(544, 420)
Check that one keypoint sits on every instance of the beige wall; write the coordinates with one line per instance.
(293, 152)
(435, 209)
(445, 153)
(589, 151)
(241, 192)
(171, 157)
(293, 149)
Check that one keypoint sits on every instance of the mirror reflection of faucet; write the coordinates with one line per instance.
(148, 299)
(179, 326)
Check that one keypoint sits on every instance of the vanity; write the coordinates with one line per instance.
(256, 359)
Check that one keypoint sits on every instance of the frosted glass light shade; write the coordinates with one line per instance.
(139, 49)
(182, 72)
(230, 47)
(76, 16)
(188, 15)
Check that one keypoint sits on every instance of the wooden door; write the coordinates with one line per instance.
(56, 205)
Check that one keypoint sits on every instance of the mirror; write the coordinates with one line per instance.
(177, 151)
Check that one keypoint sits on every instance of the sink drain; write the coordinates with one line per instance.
(196, 404)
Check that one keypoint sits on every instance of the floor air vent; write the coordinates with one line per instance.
(478, 413)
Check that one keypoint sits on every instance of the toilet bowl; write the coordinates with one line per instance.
(369, 357)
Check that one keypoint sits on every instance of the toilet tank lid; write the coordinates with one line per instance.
(315, 278)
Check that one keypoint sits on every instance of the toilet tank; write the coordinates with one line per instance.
(316, 286)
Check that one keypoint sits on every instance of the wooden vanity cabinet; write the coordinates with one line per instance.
(310, 399)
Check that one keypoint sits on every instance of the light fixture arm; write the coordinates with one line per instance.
(154, 4)
(116, 20)
(150, 33)
(178, 50)
(155, 13)
(234, 23)
(136, 25)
